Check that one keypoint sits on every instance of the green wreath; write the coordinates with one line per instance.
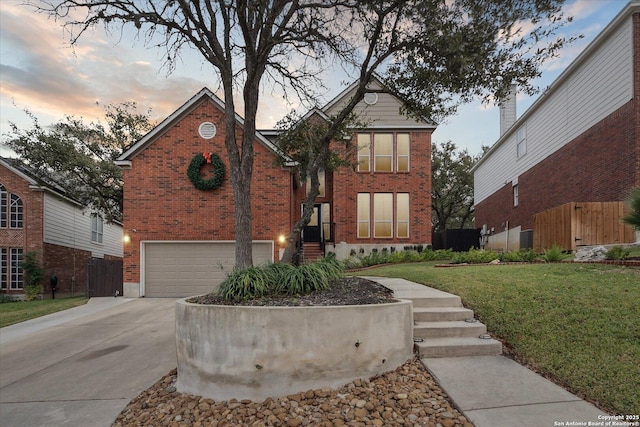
(194, 171)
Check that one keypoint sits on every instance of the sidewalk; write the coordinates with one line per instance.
(495, 391)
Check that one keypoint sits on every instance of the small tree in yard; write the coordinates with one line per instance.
(633, 217)
(33, 275)
(302, 141)
(434, 54)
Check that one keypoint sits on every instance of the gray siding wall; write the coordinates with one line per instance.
(66, 224)
(600, 85)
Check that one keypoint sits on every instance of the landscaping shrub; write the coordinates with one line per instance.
(554, 254)
(474, 256)
(522, 255)
(617, 252)
(33, 275)
(246, 283)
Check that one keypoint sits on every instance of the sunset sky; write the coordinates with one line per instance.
(40, 72)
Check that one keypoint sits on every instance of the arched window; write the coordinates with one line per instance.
(3, 206)
(16, 211)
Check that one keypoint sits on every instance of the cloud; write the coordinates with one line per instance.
(42, 73)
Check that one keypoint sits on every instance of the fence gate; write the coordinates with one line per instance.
(104, 277)
(581, 224)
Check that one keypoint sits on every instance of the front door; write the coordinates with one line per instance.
(312, 232)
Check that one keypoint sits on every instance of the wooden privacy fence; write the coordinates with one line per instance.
(104, 277)
(581, 224)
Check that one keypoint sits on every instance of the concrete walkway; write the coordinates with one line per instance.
(82, 366)
(494, 391)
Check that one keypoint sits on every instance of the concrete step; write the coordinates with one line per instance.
(458, 347)
(444, 300)
(452, 329)
(441, 314)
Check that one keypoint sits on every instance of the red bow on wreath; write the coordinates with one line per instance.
(207, 157)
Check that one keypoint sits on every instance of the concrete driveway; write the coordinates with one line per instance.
(81, 367)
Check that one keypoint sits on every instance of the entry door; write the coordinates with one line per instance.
(312, 232)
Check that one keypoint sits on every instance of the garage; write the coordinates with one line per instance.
(180, 269)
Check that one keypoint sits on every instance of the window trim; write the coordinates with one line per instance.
(361, 149)
(4, 268)
(377, 221)
(16, 212)
(403, 221)
(368, 215)
(16, 275)
(389, 156)
(398, 155)
(97, 232)
(4, 207)
(516, 196)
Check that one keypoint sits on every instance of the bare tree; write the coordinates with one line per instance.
(435, 54)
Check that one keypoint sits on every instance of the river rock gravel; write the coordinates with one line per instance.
(408, 396)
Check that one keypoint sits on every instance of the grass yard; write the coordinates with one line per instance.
(577, 324)
(16, 312)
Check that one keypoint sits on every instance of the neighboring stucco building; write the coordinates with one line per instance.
(579, 142)
(182, 239)
(63, 233)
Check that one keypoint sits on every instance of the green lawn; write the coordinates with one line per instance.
(16, 312)
(576, 324)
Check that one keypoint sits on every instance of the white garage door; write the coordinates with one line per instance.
(180, 269)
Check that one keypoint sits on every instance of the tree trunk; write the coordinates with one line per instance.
(307, 211)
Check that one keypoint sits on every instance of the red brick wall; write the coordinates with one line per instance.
(69, 265)
(600, 165)
(29, 238)
(160, 202)
(347, 184)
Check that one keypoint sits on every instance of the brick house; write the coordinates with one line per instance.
(579, 142)
(181, 239)
(60, 230)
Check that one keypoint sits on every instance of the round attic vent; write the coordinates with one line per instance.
(207, 130)
(370, 98)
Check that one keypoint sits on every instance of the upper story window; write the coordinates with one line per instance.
(11, 209)
(15, 210)
(364, 152)
(4, 197)
(522, 141)
(402, 159)
(97, 226)
(383, 152)
(389, 152)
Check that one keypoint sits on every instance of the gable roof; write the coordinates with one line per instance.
(376, 79)
(131, 152)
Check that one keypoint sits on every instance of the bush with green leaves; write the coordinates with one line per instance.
(33, 276)
(246, 283)
(280, 278)
(618, 253)
(474, 256)
(522, 255)
(554, 254)
(633, 217)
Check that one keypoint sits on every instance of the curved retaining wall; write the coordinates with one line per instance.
(241, 352)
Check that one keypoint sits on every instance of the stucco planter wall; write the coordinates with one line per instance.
(227, 352)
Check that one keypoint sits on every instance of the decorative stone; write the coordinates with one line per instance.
(591, 253)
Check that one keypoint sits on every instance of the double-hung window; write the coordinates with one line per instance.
(97, 228)
(15, 270)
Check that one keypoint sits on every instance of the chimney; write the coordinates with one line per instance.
(508, 111)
